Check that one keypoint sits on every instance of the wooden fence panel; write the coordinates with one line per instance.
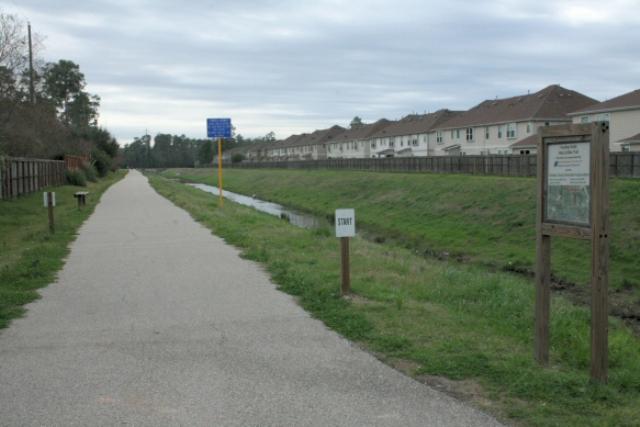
(624, 165)
(19, 176)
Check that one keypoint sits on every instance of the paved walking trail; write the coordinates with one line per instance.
(154, 321)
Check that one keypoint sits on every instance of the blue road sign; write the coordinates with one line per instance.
(219, 128)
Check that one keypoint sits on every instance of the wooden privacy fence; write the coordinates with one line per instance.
(73, 163)
(624, 165)
(22, 176)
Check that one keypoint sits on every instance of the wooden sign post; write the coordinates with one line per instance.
(219, 129)
(573, 201)
(345, 228)
(49, 199)
(221, 200)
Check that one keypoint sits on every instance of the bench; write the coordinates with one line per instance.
(81, 196)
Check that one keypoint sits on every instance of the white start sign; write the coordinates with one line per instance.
(345, 223)
(46, 199)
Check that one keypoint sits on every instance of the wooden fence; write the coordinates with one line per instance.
(624, 165)
(22, 176)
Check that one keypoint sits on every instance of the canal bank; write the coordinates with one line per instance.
(457, 327)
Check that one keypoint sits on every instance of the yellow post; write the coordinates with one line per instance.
(220, 171)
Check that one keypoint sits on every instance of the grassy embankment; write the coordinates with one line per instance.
(31, 256)
(435, 318)
(480, 219)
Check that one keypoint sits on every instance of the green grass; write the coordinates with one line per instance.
(453, 320)
(481, 219)
(31, 256)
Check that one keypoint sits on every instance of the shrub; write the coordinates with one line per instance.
(237, 158)
(76, 177)
(90, 172)
(102, 162)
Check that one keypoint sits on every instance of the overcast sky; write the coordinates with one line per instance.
(295, 66)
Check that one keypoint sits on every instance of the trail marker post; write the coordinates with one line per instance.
(49, 199)
(345, 228)
(573, 201)
(219, 129)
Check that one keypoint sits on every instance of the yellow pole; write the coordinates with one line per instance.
(220, 171)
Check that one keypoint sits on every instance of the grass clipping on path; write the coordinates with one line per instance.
(31, 256)
(457, 321)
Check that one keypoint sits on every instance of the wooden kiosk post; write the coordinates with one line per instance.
(573, 201)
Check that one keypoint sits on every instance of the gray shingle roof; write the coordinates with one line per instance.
(551, 103)
(416, 124)
(630, 99)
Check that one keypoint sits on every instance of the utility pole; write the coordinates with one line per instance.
(32, 91)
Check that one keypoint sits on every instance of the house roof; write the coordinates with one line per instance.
(622, 102)
(551, 103)
(530, 141)
(321, 136)
(362, 132)
(632, 139)
(414, 124)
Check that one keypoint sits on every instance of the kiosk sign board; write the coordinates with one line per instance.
(573, 202)
(568, 182)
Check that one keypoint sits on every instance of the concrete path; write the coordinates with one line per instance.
(154, 321)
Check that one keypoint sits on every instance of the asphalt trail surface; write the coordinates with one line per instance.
(154, 321)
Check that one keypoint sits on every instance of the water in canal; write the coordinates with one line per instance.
(297, 218)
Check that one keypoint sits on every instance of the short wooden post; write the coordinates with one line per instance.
(52, 227)
(346, 273)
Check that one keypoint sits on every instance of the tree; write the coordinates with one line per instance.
(83, 111)
(356, 122)
(269, 137)
(205, 152)
(63, 83)
(13, 43)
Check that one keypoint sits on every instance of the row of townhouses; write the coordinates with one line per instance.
(498, 126)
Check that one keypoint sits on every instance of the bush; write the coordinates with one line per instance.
(76, 177)
(102, 162)
(237, 158)
(90, 172)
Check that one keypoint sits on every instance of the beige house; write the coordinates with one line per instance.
(493, 126)
(307, 146)
(623, 115)
(409, 137)
(354, 143)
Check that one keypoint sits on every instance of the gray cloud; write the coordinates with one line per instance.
(293, 66)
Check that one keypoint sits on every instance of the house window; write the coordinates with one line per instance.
(457, 133)
(439, 137)
(603, 117)
(528, 127)
(486, 133)
(584, 119)
(415, 142)
(469, 134)
(452, 134)
(511, 130)
(499, 132)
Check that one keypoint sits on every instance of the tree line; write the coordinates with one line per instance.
(45, 111)
(169, 151)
